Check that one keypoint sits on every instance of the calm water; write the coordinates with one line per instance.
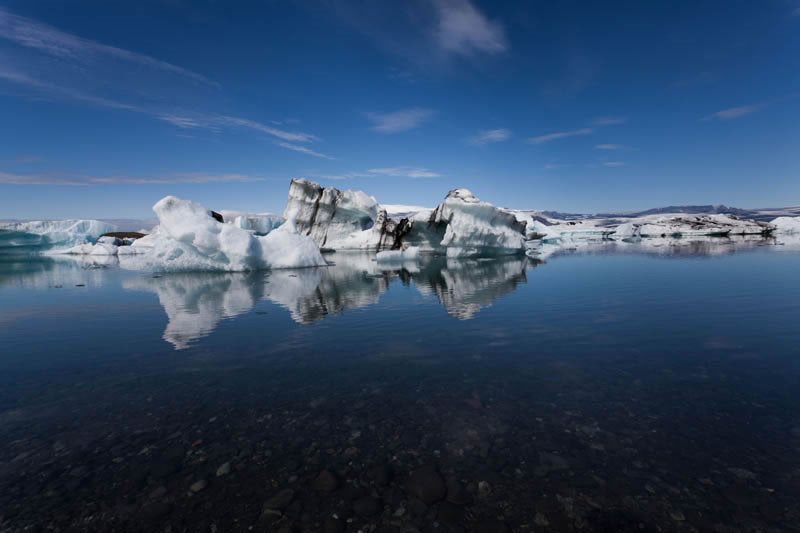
(602, 391)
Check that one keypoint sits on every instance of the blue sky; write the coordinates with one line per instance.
(105, 107)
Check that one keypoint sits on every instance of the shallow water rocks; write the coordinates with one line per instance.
(280, 501)
(224, 469)
(198, 486)
(380, 474)
(327, 481)
(426, 484)
(368, 506)
(456, 493)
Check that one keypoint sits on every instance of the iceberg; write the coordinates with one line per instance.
(410, 253)
(329, 215)
(188, 238)
(342, 220)
(476, 229)
(258, 223)
(786, 225)
(461, 226)
(681, 225)
(51, 233)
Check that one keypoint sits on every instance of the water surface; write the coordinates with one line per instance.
(594, 391)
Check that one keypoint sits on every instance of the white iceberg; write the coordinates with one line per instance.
(189, 239)
(682, 225)
(409, 253)
(100, 248)
(476, 229)
(52, 233)
(258, 223)
(786, 225)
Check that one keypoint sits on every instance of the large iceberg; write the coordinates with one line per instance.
(461, 226)
(473, 228)
(342, 220)
(52, 233)
(188, 238)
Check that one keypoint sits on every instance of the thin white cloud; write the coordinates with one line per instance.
(609, 121)
(269, 130)
(463, 30)
(490, 136)
(541, 139)
(72, 68)
(397, 121)
(404, 172)
(7, 178)
(609, 146)
(182, 121)
(393, 172)
(56, 91)
(302, 149)
(32, 34)
(217, 122)
(735, 112)
(614, 164)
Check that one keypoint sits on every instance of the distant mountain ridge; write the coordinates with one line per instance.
(764, 214)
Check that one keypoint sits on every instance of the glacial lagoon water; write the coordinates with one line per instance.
(595, 391)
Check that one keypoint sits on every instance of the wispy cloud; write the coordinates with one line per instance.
(55, 65)
(32, 34)
(184, 121)
(218, 122)
(429, 33)
(61, 92)
(609, 121)
(490, 136)
(404, 172)
(541, 139)
(7, 178)
(735, 112)
(397, 121)
(10, 178)
(393, 172)
(463, 30)
(302, 149)
(614, 164)
(269, 130)
(609, 146)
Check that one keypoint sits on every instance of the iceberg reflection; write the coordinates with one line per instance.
(464, 287)
(195, 303)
